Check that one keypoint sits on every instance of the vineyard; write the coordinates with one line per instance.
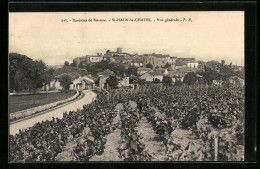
(155, 123)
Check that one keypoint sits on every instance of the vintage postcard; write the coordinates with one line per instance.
(126, 86)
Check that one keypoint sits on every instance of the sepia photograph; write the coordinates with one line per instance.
(126, 86)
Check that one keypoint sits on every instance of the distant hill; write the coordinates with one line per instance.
(74, 72)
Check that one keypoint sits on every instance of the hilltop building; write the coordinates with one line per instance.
(186, 62)
(159, 60)
(119, 52)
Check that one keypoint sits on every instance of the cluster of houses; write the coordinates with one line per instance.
(85, 81)
(156, 60)
(162, 65)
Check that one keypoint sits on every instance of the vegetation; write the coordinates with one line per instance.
(219, 71)
(178, 82)
(117, 68)
(190, 78)
(112, 81)
(207, 112)
(26, 74)
(168, 65)
(132, 70)
(66, 63)
(149, 65)
(65, 82)
(167, 81)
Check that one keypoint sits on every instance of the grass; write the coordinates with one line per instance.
(18, 103)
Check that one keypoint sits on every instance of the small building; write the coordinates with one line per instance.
(192, 64)
(133, 81)
(151, 76)
(180, 65)
(87, 84)
(123, 82)
(136, 63)
(157, 75)
(94, 59)
(235, 80)
(217, 82)
(103, 77)
(55, 84)
(147, 77)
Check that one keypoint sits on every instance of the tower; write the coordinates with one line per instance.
(119, 50)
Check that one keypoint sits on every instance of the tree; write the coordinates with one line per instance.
(168, 65)
(226, 72)
(119, 70)
(132, 70)
(47, 76)
(26, 74)
(218, 71)
(65, 82)
(81, 65)
(157, 67)
(167, 81)
(66, 63)
(37, 74)
(190, 78)
(149, 65)
(112, 81)
(209, 74)
(19, 66)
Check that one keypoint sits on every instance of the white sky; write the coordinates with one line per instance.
(210, 35)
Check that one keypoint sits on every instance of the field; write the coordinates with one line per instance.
(153, 123)
(18, 103)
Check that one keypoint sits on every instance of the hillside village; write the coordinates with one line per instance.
(150, 68)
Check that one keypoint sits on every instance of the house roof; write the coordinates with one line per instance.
(89, 78)
(161, 70)
(186, 59)
(156, 73)
(73, 75)
(143, 68)
(88, 81)
(187, 69)
(180, 64)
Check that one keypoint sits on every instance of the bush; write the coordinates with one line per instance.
(190, 78)
(112, 82)
(167, 81)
